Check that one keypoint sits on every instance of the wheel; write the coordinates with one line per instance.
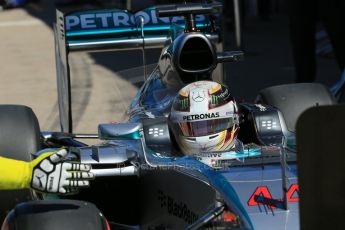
(54, 215)
(19, 138)
(320, 132)
(293, 99)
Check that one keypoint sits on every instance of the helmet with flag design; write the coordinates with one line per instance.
(204, 118)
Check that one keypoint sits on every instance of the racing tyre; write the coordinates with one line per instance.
(19, 138)
(293, 99)
(55, 215)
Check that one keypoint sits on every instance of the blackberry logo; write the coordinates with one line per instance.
(177, 209)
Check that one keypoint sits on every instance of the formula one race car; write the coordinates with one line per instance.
(140, 182)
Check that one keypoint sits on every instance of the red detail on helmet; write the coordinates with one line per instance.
(290, 193)
(228, 135)
(237, 128)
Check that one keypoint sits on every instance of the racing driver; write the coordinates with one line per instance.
(47, 173)
(204, 118)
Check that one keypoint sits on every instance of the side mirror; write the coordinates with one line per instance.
(109, 160)
(119, 131)
(230, 56)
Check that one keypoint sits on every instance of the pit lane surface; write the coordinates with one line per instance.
(28, 77)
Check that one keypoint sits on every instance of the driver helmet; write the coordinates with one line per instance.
(204, 118)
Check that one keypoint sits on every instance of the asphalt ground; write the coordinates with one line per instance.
(103, 84)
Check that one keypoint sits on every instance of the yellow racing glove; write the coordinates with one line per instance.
(47, 173)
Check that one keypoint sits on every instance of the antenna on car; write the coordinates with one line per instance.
(141, 22)
(188, 11)
(283, 167)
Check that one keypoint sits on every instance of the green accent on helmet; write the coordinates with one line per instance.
(220, 97)
(184, 103)
(214, 100)
(181, 103)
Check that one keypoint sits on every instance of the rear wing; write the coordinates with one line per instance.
(111, 30)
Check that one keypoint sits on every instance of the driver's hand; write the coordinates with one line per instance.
(51, 175)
